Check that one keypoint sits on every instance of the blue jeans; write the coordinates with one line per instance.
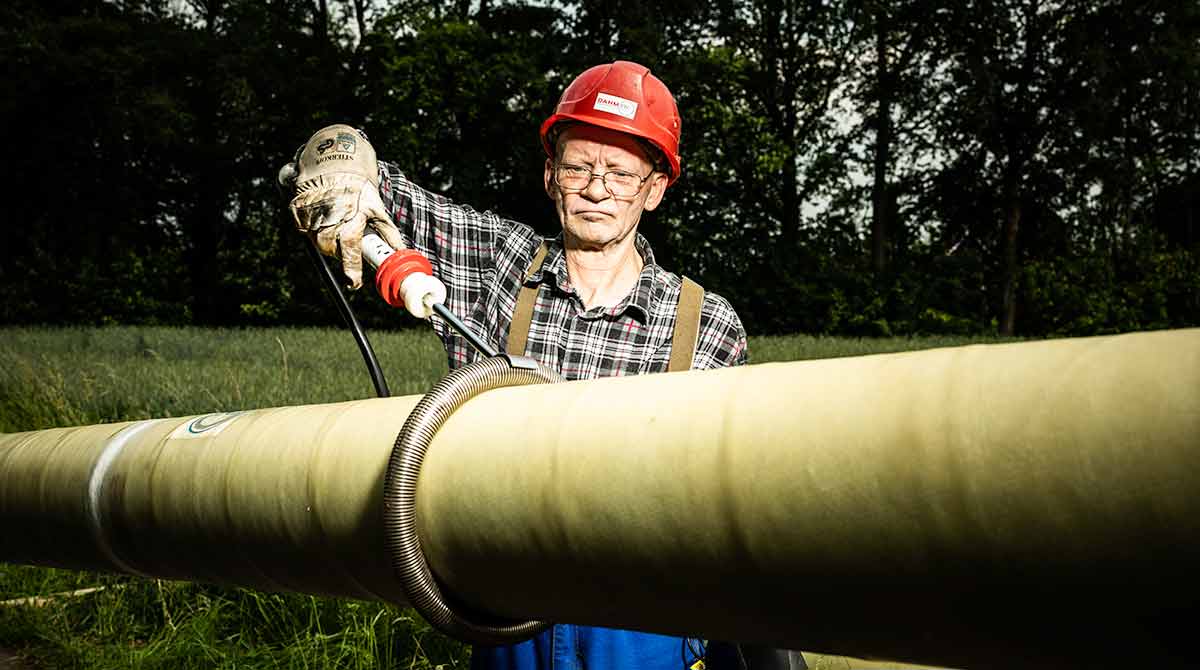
(568, 647)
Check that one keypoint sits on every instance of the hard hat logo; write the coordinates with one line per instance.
(615, 105)
(625, 97)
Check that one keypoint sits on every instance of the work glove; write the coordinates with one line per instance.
(336, 194)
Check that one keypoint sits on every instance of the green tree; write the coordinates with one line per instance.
(88, 90)
(892, 86)
(1135, 84)
(794, 55)
(456, 101)
(1002, 88)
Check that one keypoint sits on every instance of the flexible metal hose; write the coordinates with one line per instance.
(400, 489)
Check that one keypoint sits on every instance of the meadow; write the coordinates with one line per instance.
(72, 376)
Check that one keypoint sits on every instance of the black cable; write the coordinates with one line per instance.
(343, 307)
(284, 184)
(477, 342)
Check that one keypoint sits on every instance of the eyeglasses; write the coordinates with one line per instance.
(618, 183)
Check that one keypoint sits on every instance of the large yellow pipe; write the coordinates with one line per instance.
(288, 498)
(1028, 504)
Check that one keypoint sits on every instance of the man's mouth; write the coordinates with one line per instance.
(592, 215)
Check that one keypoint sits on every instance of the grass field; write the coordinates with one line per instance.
(63, 377)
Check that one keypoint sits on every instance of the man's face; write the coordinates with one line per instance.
(593, 219)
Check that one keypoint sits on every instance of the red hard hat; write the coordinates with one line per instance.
(621, 96)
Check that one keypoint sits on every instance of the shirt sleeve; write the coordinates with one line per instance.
(722, 340)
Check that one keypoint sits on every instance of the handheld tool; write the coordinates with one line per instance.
(404, 278)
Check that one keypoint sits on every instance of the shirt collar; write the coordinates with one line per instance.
(645, 292)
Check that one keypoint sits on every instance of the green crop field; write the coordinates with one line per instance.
(60, 377)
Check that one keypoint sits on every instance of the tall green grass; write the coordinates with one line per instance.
(146, 623)
(76, 376)
(811, 347)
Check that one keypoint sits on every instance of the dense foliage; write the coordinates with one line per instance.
(854, 167)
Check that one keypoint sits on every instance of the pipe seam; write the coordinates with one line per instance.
(97, 480)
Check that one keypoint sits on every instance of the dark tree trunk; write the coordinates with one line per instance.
(360, 16)
(203, 220)
(205, 229)
(321, 21)
(790, 206)
(1012, 223)
(880, 202)
(782, 99)
(1022, 136)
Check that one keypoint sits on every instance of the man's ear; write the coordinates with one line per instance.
(658, 187)
(548, 179)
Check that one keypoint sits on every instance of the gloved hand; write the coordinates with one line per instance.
(336, 187)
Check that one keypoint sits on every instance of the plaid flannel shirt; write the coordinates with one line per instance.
(483, 258)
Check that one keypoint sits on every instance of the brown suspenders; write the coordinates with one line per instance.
(518, 332)
(687, 326)
(683, 340)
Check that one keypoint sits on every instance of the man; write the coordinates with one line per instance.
(589, 303)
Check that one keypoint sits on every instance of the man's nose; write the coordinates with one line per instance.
(595, 189)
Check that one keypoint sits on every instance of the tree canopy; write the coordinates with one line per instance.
(862, 167)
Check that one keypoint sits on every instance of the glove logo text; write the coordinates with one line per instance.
(344, 142)
(340, 148)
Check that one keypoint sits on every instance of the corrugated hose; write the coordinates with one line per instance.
(400, 489)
